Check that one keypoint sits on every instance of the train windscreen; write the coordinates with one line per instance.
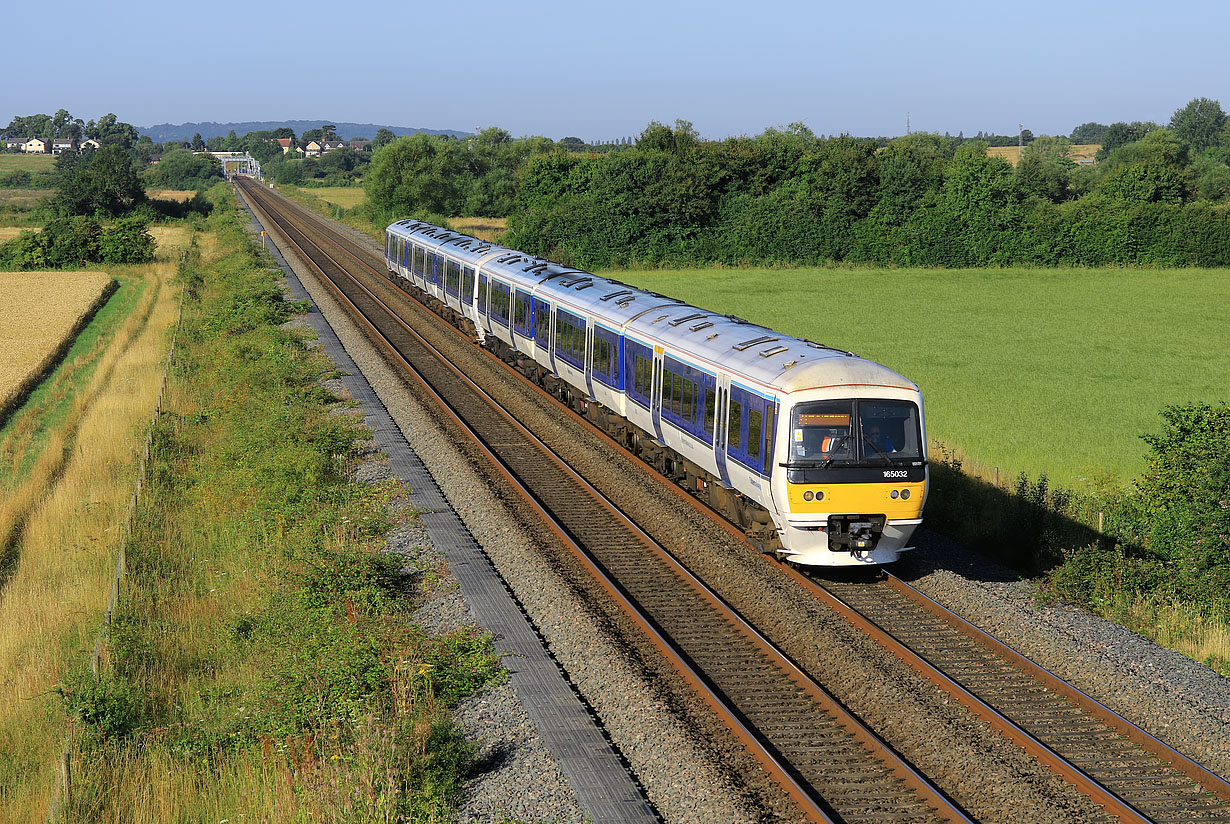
(855, 432)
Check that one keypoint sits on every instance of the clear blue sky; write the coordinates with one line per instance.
(602, 71)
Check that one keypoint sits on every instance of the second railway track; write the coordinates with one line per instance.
(1120, 769)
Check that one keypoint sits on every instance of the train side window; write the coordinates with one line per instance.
(710, 409)
(482, 294)
(734, 439)
(467, 283)
(769, 430)
(755, 423)
(640, 382)
(542, 322)
(689, 390)
(677, 395)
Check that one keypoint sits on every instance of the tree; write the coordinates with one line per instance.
(328, 132)
(658, 137)
(1199, 123)
(104, 183)
(1087, 133)
(184, 170)
(573, 144)
(1121, 134)
(198, 143)
(110, 131)
(383, 138)
(417, 174)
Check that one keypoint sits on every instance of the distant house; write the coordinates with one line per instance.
(62, 146)
(284, 143)
(155, 159)
(90, 143)
(311, 148)
(332, 146)
(361, 145)
(35, 145)
(14, 144)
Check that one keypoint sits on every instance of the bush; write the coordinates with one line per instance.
(126, 241)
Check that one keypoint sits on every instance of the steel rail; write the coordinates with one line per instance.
(617, 592)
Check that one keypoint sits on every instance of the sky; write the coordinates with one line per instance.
(604, 71)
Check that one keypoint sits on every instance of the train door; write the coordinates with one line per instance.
(655, 393)
(721, 433)
(589, 360)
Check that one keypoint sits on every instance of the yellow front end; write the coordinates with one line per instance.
(805, 537)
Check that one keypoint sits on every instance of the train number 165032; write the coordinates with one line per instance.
(896, 473)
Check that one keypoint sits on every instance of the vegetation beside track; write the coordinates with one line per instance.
(262, 665)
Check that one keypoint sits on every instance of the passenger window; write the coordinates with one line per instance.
(768, 438)
(754, 423)
(687, 400)
(677, 395)
(736, 414)
(710, 409)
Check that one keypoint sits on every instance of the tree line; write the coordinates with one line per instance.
(1157, 196)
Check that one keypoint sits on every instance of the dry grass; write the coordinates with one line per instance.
(60, 525)
(178, 195)
(483, 228)
(9, 232)
(41, 309)
(1079, 152)
(23, 198)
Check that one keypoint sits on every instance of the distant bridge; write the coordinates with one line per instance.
(237, 163)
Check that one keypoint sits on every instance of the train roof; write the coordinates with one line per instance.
(778, 361)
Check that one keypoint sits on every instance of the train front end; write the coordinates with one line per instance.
(854, 476)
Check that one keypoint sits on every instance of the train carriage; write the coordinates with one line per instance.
(816, 453)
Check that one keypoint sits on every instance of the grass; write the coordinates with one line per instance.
(484, 228)
(1042, 371)
(261, 666)
(346, 197)
(41, 310)
(26, 162)
(69, 460)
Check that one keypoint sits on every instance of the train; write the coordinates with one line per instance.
(817, 454)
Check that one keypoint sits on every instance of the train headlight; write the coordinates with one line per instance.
(894, 494)
(809, 495)
(819, 495)
(905, 494)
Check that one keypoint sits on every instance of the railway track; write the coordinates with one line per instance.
(1131, 774)
(1066, 729)
(829, 763)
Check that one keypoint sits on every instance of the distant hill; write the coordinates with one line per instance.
(184, 131)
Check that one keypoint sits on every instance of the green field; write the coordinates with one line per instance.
(26, 163)
(345, 196)
(1043, 371)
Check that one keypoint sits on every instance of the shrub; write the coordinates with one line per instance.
(126, 241)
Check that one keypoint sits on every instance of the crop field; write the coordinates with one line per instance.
(1042, 371)
(484, 228)
(40, 310)
(68, 459)
(26, 163)
(170, 194)
(347, 197)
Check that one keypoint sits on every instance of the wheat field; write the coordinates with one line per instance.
(41, 309)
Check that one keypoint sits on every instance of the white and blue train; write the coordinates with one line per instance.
(816, 453)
